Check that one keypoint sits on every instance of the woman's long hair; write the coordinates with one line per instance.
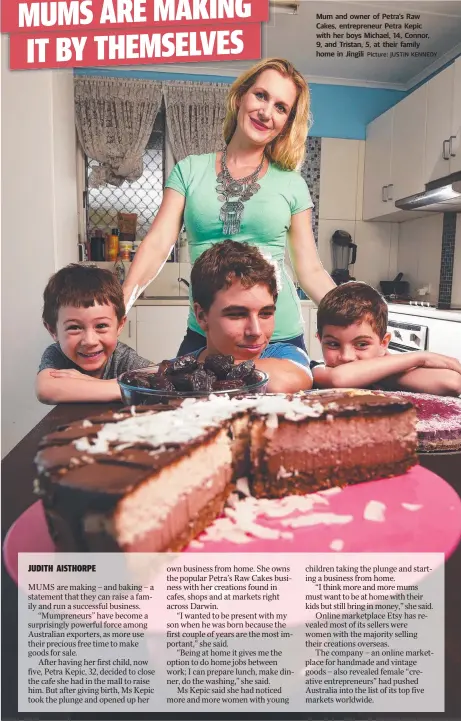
(287, 150)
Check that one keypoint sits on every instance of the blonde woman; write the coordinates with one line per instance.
(250, 191)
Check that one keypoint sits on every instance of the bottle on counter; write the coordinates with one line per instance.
(126, 248)
(112, 245)
(119, 270)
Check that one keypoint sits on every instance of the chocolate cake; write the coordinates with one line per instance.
(144, 480)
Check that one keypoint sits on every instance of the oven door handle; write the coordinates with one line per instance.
(401, 347)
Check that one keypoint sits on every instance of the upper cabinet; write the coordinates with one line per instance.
(394, 164)
(377, 175)
(442, 129)
(416, 141)
(407, 163)
(455, 138)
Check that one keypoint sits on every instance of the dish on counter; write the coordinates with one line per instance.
(186, 377)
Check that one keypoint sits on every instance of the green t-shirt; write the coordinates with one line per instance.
(265, 223)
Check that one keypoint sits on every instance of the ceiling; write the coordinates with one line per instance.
(294, 37)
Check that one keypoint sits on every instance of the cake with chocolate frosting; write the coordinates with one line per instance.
(144, 480)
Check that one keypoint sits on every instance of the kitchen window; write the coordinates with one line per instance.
(99, 206)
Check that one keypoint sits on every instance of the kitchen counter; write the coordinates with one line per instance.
(177, 300)
(162, 300)
(453, 315)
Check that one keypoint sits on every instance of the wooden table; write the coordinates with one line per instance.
(17, 476)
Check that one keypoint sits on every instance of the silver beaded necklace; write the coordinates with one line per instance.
(241, 190)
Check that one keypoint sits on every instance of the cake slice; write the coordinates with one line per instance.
(350, 437)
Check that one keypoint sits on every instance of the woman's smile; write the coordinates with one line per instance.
(258, 124)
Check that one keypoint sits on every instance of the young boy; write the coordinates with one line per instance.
(234, 290)
(85, 313)
(352, 328)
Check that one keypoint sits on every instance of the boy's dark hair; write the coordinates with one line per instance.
(81, 286)
(353, 302)
(224, 262)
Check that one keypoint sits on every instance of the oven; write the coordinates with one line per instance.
(406, 336)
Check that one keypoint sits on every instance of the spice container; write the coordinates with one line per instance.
(112, 245)
(125, 249)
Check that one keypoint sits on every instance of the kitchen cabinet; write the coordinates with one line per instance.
(310, 329)
(455, 148)
(408, 137)
(377, 175)
(313, 346)
(440, 106)
(338, 179)
(128, 334)
(160, 330)
(184, 272)
(413, 143)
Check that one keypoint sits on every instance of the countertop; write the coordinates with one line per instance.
(453, 315)
(178, 300)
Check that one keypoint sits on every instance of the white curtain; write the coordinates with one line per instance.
(195, 115)
(114, 118)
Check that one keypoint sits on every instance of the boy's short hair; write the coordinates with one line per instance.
(353, 302)
(81, 286)
(227, 261)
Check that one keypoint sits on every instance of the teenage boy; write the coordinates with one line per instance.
(85, 313)
(234, 291)
(352, 328)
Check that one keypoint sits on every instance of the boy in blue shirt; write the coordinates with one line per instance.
(234, 291)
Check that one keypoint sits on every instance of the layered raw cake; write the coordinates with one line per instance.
(143, 480)
(438, 421)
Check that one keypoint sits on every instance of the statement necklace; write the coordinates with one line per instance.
(233, 194)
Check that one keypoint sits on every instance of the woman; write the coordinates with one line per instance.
(250, 192)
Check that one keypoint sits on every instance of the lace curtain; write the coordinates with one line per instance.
(195, 115)
(114, 119)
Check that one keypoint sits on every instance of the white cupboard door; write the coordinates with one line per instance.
(160, 330)
(128, 334)
(314, 348)
(455, 137)
(306, 318)
(184, 273)
(377, 175)
(438, 124)
(408, 139)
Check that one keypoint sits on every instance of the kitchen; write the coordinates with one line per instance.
(349, 179)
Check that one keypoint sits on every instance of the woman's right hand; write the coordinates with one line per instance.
(156, 246)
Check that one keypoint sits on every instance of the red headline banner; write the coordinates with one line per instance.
(72, 15)
(137, 46)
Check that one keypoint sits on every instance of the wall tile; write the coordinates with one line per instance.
(310, 170)
(373, 252)
(447, 259)
(456, 285)
(419, 253)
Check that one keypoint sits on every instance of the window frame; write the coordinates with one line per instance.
(82, 180)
